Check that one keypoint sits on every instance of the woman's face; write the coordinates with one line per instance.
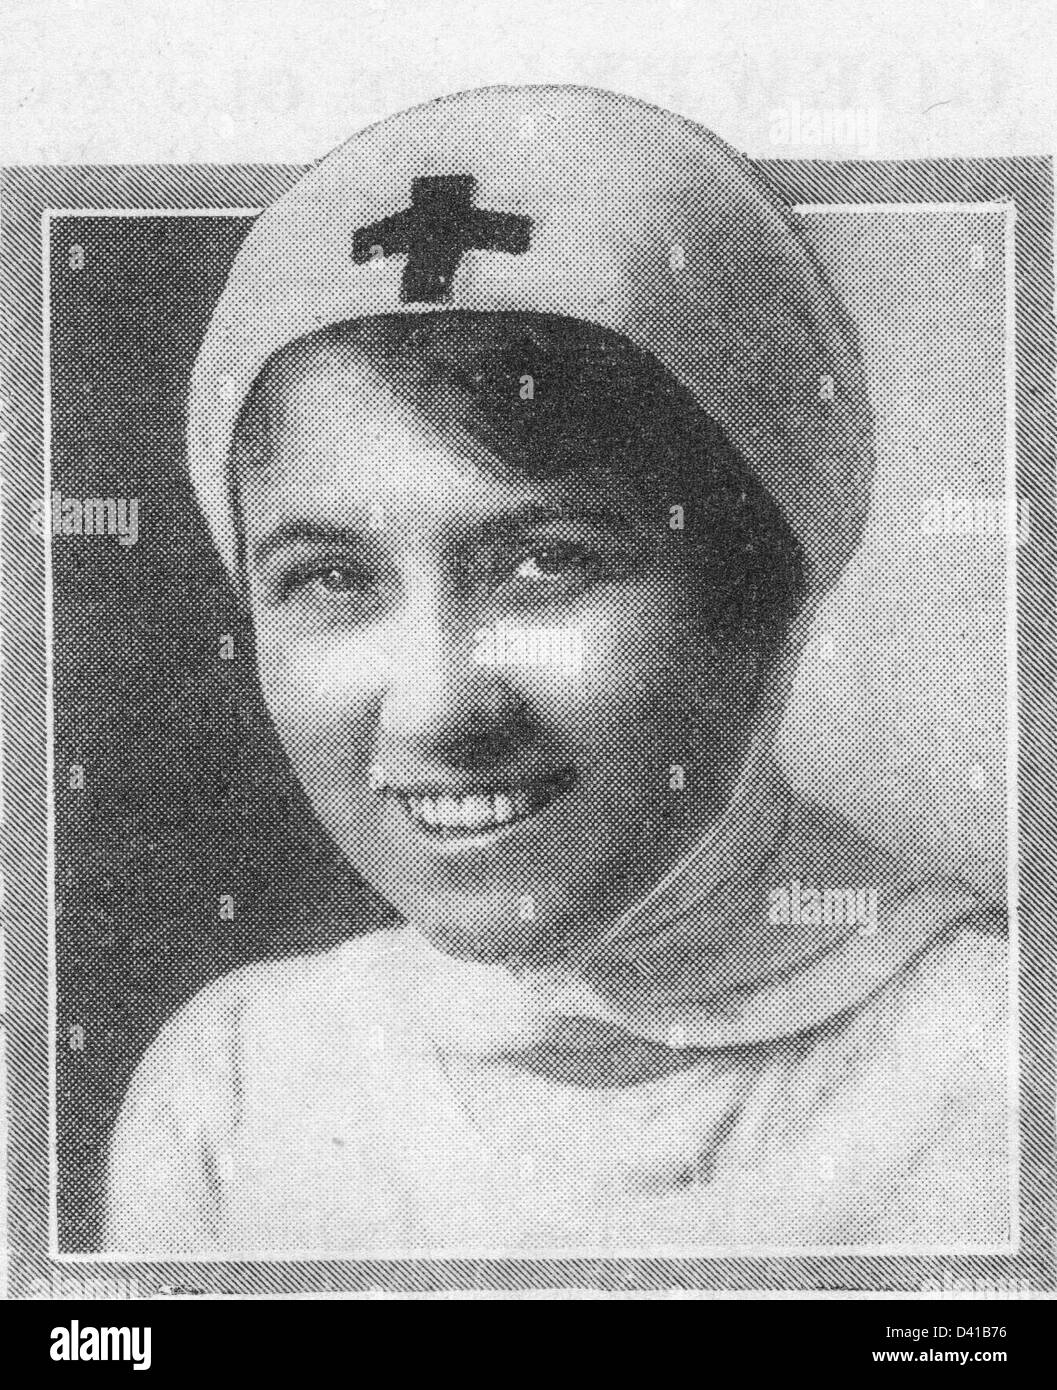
(499, 693)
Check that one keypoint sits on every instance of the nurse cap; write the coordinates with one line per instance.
(571, 201)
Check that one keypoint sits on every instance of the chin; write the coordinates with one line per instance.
(493, 926)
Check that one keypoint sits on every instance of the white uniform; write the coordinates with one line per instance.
(757, 1084)
(858, 1097)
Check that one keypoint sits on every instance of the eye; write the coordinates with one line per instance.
(324, 581)
(339, 579)
(557, 561)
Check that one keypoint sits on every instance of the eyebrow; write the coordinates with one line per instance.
(303, 531)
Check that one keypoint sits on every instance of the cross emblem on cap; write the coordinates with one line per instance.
(435, 230)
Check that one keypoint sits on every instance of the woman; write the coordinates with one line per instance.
(532, 459)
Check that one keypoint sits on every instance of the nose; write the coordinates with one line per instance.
(442, 709)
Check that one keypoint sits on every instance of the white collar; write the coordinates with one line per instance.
(712, 973)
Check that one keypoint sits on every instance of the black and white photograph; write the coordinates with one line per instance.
(529, 639)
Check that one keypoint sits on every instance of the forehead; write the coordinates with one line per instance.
(340, 441)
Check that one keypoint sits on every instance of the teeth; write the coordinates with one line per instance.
(471, 813)
(475, 812)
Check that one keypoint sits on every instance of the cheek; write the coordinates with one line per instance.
(319, 694)
(650, 672)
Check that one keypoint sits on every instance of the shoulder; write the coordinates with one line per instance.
(953, 1000)
(909, 1015)
(944, 1093)
(286, 996)
(266, 1011)
(929, 1053)
(219, 1059)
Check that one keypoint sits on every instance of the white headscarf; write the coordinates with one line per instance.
(646, 224)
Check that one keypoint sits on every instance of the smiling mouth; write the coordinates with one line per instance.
(442, 814)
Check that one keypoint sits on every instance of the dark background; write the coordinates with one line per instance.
(187, 795)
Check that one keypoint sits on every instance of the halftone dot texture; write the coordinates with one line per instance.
(766, 1086)
(641, 222)
(918, 626)
(299, 1109)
